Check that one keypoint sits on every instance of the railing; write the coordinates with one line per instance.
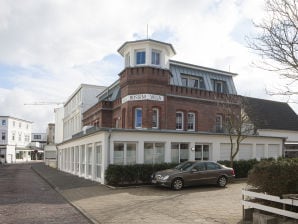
(248, 195)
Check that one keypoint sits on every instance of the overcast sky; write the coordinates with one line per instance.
(49, 47)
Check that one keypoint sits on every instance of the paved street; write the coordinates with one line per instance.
(26, 198)
(205, 205)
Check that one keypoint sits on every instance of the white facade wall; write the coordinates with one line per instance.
(81, 100)
(59, 115)
(17, 136)
(291, 136)
(70, 157)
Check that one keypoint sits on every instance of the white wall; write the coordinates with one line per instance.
(59, 114)
(292, 136)
(272, 146)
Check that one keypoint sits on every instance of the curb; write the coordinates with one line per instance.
(81, 211)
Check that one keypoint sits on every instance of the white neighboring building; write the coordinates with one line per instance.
(272, 118)
(82, 99)
(59, 115)
(15, 139)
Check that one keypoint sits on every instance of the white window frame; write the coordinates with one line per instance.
(154, 59)
(220, 123)
(154, 152)
(157, 117)
(179, 150)
(136, 57)
(193, 122)
(124, 159)
(182, 120)
(136, 117)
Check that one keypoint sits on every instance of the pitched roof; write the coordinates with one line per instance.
(267, 114)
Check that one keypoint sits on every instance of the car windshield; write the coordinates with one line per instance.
(184, 166)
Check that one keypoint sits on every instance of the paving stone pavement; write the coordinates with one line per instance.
(25, 198)
(147, 204)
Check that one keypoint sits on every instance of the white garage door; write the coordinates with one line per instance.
(273, 151)
(225, 150)
(260, 153)
(245, 152)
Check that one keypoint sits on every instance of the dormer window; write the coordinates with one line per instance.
(155, 57)
(140, 57)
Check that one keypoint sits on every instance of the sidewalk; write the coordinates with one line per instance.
(147, 204)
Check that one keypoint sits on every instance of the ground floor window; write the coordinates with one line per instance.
(202, 152)
(125, 153)
(179, 152)
(98, 160)
(154, 153)
(82, 160)
(89, 160)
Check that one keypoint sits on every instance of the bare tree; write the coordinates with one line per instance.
(236, 123)
(277, 42)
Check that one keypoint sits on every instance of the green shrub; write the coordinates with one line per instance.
(241, 167)
(119, 175)
(275, 177)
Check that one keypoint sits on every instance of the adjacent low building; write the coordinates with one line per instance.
(159, 110)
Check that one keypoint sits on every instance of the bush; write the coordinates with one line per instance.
(119, 175)
(275, 177)
(241, 167)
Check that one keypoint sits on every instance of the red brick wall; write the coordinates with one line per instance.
(156, 81)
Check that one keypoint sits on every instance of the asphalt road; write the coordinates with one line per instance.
(26, 198)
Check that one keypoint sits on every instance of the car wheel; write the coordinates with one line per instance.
(177, 184)
(222, 181)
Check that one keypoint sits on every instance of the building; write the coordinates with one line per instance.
(83, 98)
(159, 110)
(50, 134)
(272, 118)
(38, 142)
(15, 139)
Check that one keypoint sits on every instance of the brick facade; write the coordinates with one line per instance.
(150, 80)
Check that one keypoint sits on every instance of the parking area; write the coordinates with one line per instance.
(149, 204)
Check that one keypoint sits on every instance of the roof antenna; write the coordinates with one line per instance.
(147, 31)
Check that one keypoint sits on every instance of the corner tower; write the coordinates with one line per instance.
(144, 82)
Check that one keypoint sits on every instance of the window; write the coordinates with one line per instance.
(89, 160)
(184, 81)
(202, 152)
(27, 138)
(218, 123)
(155, 57)
(125, 153)
(138, 118)
(27, 126)
(219, 86)
(212, 166)
(82, 160)
(179, 152)
(20, 137)
(98, 160)
(155, 118)
(13, 123)
(20, 125)
(179, 120)
(191, 121)
(13, 136)
(154, 153)
(37, 136)
(3, 122)
(118, 153)
(3, 136)
(140, 57)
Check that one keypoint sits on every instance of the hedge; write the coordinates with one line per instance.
(275, 177)
(120, 175)
(241, 167)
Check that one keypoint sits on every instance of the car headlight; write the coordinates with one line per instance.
(165, 177)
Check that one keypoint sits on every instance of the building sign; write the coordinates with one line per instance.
(145, 96)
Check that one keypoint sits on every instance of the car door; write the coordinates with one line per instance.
(212, 172)
(197, 175)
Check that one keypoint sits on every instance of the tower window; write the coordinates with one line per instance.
(138, 118)
(155, 57)
(140, 57)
